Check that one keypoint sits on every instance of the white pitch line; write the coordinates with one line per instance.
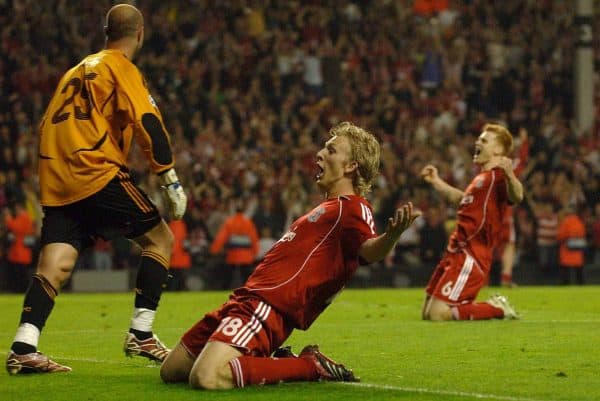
(512, 322)
(365, 385)
(560, 321)
(108, 362)
(441, 392)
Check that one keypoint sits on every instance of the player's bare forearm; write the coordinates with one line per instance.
(514, 189)
(452, 194)
(375, 249)
(430, 175)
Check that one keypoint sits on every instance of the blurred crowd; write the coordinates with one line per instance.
(249, 88)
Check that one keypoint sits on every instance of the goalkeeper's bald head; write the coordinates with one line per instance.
(122, 21)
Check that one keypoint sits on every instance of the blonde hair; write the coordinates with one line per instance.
(503, 136)
(365, 151)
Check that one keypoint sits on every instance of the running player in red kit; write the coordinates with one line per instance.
(465, 267)
(295, 282)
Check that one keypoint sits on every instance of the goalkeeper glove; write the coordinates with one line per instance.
(174, 193)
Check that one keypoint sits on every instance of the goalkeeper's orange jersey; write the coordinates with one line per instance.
(99, 106)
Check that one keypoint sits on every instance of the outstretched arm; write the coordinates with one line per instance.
(430, 175)
(375, 249)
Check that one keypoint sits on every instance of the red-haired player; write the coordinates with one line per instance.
(465, 266)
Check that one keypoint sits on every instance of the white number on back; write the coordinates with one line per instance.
(230, 326)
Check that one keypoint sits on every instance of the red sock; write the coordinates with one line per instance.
(249, 370)
(506, 278)
(477, 311)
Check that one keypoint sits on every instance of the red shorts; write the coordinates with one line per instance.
(457, 279)
(246, 323)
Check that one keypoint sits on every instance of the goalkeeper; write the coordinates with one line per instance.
(99, 107)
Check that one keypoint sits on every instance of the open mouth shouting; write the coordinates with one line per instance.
(319, 173)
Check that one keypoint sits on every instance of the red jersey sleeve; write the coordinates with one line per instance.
(358, 225)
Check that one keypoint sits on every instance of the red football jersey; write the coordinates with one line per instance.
(480, 217)
(313, 261)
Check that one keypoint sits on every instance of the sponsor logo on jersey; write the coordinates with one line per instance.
(318, 212)
(287, 237)
(467, 199)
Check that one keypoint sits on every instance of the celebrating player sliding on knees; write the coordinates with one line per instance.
(296, 281)
(465, 267)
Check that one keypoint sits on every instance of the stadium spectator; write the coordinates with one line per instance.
(87, 192)
(260, 80)
(596, 235)
(429, 7)
(465, 267)
(238, 240)
(20, 236)
(101, 257)
(181, 260)
(547, 221)
(433, 236)
(296, 280)
(265, 243)
(571, 236)
(267, 215)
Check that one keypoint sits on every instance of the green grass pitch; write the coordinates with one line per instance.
(552, 353)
